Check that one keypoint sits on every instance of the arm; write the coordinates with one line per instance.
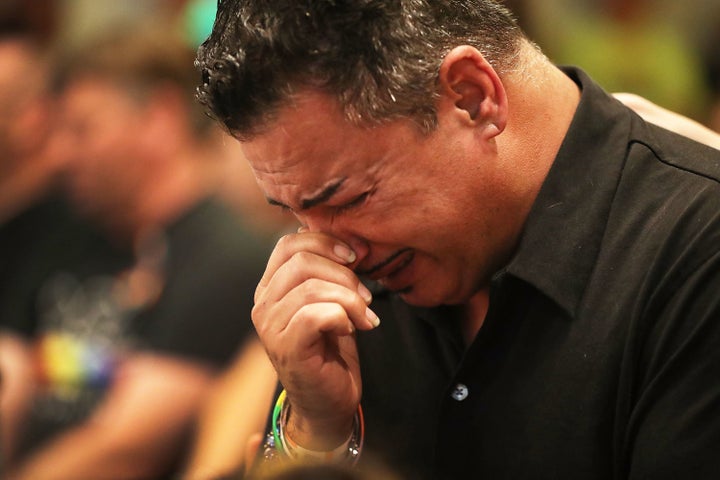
(137, 430)
(16, 389)
(237, 407)
(308, 305)
(674, 428)
(670, 120)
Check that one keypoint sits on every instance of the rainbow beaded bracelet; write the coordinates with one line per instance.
(277, 441)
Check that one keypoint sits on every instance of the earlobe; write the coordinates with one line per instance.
(475, 89)
(492, 130)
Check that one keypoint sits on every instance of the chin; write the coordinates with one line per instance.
(430, 295)
(419, 297)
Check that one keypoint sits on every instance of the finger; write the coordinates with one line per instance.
(313, 321)
(271, 318)
(314, 242)
(354, 306)
(304, 266)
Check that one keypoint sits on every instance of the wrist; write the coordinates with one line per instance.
(318, 434)
(337, 454)
(281, 443)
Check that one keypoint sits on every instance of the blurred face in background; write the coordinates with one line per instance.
(24, 107)
(104, 125)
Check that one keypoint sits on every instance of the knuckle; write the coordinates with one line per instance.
(283, 242)
(312, 288)
(348, 277)
(258, 294)
(359, 304)
(318, 314)
(301, 257)
(257, 318)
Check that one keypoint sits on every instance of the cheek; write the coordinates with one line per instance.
(389, 222)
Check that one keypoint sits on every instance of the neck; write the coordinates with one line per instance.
(542, 102)
(474, 315)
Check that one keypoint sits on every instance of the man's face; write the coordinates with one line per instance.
(430, 216)
(103, 126)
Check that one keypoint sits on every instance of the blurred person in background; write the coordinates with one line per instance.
(133, 322)
(27, 167)
(31, 216)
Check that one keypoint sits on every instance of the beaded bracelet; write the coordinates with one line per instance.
(278, 442)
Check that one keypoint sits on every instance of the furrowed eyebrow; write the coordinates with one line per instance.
(272, 201)
(323, 196)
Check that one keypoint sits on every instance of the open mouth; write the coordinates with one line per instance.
(390, 266)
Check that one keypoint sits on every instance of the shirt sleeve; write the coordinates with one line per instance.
(674, 429)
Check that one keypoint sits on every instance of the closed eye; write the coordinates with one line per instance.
(282, 206)
(356, 202)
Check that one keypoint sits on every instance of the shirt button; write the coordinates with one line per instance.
(460, 392)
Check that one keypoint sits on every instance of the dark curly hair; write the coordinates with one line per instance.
(379, 58)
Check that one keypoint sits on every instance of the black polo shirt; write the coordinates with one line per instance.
(600, 354)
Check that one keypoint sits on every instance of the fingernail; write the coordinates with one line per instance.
(344, 253)
(374, 320)
(364, 292)
(302, 229)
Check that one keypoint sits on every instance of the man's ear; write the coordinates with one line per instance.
(474, 89)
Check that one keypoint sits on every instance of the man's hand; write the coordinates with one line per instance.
(308, 305)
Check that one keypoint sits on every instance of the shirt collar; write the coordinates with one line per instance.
(564, 230)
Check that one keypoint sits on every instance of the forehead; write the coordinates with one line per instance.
(310, 144)
(309, 122)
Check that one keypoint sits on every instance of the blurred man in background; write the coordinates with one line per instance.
(128, 327)
(30, 214)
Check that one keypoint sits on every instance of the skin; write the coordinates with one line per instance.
(429, 216)
(670, 120)
(32, 156)
(17, 386)
(101, 178)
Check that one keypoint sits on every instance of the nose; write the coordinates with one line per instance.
(338, 229)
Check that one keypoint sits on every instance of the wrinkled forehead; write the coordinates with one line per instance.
(291, 170)
(308, 143)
